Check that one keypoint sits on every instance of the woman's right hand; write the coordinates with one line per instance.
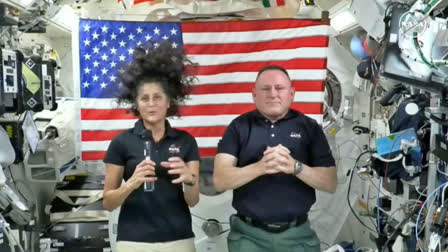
(144, 172)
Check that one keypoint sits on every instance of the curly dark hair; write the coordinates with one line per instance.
(168, 67)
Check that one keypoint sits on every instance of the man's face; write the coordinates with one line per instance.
(273, 94)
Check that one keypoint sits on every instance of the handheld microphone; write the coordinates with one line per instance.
(147, 136)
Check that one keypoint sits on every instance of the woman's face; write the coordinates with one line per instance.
(152, 103)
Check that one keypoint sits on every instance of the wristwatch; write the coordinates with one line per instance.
(298, 167)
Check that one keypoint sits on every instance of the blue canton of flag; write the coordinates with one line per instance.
(105, 47)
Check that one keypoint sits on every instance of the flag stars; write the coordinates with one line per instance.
(121, 70)
(96, 64)
(122, 29)
(122, 43)
(156, 45)
(139, 43)
(139, 30)
(165, 37)
(131, 36)
(113, 50)
(122, 57)
(104, 57)
(173, 31)
(96, 50)
(87, 70)
(103, 85)
(113, 64)
(131, 50)
(147, 37)
(174, 45)
(112, 78)
(156, 31)
(86, 42)
(113, 36)
(104, 43)
(87, 56)
(95, 77)
(104, 71)
(95, 36)
(104, 29)
(86, 84)
(86, 27)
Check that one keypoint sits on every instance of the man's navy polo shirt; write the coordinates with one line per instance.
(279, 197)
(161, 215)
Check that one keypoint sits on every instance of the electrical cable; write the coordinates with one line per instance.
(378, 206)
(349, 188)
(397, 229)
(422, 192)
(203, 219)
(423, 207)
(9, 231)
(376, 155)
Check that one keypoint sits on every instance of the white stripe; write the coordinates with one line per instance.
(253, 36)
(236, 77)
(95, 146)
(207, 142)
(203, 142)
(101, 103)
(178, 122)
(245, 98)
(272, 55)
(207, 99)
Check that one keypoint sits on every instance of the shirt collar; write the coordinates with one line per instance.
(139, 129)
(291, 113)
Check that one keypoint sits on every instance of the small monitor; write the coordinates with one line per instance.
(30, 131)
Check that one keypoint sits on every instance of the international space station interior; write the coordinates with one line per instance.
(223, 125)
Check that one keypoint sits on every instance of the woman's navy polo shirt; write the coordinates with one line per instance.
(161, 215)
(277, 197)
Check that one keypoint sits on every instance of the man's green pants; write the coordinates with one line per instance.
(246, 238)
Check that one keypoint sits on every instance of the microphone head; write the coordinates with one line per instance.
(147, 135)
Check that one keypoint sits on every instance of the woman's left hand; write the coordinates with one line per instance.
(176, 165)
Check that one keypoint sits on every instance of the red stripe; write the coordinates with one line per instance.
(142, 1)
(108, 135)
(106, 114)
(254, 25)
(216, 131)
(248, 87)
(99, 135)
(256, 46)
(255, 66)
(93, 155)
(207, 152)
(196, 110)
(99, 155)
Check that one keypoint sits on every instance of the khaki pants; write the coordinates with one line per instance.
(186, 245)
(246, 238)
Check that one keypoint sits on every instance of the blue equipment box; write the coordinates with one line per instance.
(390, 145)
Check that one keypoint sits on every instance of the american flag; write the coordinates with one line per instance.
(229, 54)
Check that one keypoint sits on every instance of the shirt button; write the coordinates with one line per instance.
(272, 126)
(272, 135)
